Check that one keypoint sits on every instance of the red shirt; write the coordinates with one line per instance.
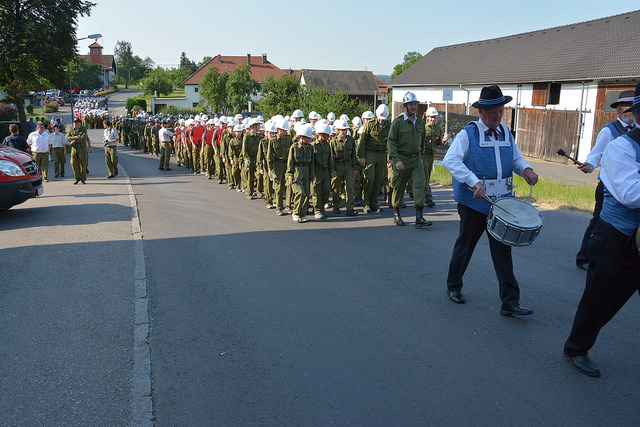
(196, 135)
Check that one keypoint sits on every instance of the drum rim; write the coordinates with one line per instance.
(492, 208)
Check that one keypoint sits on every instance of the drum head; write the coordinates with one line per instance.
(524, 215)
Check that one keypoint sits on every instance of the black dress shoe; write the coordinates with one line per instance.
(515, 310)
(397, 220)
(583, 364)
(455, 296)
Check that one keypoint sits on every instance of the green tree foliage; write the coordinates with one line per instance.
(130, 64)
(318, 99)
(213, 90)
(410, 58)
(241, 87)
(133, 102)
(178, 75)
(157, 82)
(85, 74)
(34, 47)
(205, 59)
(280, 96)
(186, 63)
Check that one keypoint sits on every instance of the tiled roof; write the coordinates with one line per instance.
(593, 50)
(108, 62)
(350, 82)
(260, 67)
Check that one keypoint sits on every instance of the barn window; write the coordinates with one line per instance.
(196, 89)
(554, 94)
(546, 94)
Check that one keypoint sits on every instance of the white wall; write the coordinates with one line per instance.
(191, 95)
(570, 94)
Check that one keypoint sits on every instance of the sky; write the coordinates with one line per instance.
(369, 35)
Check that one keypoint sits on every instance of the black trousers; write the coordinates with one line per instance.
(472, 225)
(581, 257)
(613, 276)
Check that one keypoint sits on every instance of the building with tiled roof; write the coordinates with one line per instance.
(108, 63)
(562, 80)
(359, 85)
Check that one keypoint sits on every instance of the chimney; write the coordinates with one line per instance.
(219, 58)
(264, 58)
(249, 59)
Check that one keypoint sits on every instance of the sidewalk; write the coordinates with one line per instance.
(564, 173)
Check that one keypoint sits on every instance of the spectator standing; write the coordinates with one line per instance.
(41, 147)
(59, 150)
(16, 140)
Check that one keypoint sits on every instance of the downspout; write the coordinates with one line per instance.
(579, 126)
(518, 98)
(467, 109)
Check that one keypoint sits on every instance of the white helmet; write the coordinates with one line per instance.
(344, 117)
(211, 122)
(409, 97)
(260, 118)
(181, 122)
(191, 122)
(197, 118)
(382, 112)
(282, 124)
(432, 112)
(223, 119)
(331, 117)
(356, 121)
(333, 130)
(237, 117)
(313, 115)
(323, 128)
(296, 114)
(205, 118)
(239, 128)
(305, 130)
(252, 122)
(341, 124)
(270, 127)
(367, 115)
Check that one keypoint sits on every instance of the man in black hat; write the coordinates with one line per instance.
(483, 158)
(609, 132)
(613, 249)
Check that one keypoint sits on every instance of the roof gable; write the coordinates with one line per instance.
(581, 51)
(260, 67)
(350, 82)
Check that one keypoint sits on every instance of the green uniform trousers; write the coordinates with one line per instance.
(344, 177)
(320, 188)
(427, 160)
(58, 160)
(111, 159)
(165, 155)
(79, 161)
(42, 160)
(414, 168)
(374, 173)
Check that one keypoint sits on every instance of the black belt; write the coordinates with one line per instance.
(409, 155)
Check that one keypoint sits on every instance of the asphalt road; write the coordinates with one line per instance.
(257, 320)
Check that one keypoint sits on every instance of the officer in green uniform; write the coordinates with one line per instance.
(433, 139)
(263, 168)
(218, 155)
(277, 160)
(322, 167)
(77, 137)
(300, 171)
(250, 145)
(406, 145)
(372, 155)
(155, 137)
(343, 151)
(234, 157)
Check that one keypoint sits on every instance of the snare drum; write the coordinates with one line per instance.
(519, 229)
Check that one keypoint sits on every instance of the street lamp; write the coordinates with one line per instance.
(90, 36)
(129, 79)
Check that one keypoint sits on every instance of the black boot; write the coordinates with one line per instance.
(397, 219)
(420, 221)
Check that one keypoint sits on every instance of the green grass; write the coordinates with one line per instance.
(547, 191)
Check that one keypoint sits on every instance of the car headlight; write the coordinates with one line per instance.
(10, 169)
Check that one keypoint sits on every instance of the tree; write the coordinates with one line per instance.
(186, 63)
(85, 74)
(178, 75)
(157, 82)
(241, 87)
(125, 59)
(318, 99)
(213, 90)
(36, 48)
(205, 59)
(280, 96)
(410, 58)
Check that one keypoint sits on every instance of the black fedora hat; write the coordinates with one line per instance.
(491, 97)
(636, 99)
(626, 96)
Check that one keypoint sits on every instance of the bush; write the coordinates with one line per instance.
(141, 102)
(174, 111)
(50, 107)
(7, 112)
(29, 109)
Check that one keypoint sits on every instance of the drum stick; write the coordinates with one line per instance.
(564, 153)
(494, 204)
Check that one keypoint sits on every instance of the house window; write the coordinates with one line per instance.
(95, 51)
(195, 105)
(554, 94)
(196, 89)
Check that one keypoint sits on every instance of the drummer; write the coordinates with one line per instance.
(472, 160)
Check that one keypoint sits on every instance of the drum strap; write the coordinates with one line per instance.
(634, 134)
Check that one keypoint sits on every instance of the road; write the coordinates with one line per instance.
(257, 320)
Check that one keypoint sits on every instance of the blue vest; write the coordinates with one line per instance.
(615, 132)
(482, 162)
(624, 219)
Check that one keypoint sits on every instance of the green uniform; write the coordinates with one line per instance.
(277, 160)
(433, 139)
(300, 172)
(155, 139)
(322, 167)
(406, 144)
(234, 160)
(263, 172)
(250, 145)
(79, 154)
(373, 148)
(344, 159)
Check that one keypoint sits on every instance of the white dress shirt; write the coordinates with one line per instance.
(604, 138)
(620, 172)
(39, 142)
(110, 134)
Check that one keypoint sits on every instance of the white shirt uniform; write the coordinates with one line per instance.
(604, 138)
(39, 142)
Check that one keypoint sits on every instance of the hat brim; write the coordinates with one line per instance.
(630, 109)
(507, 99)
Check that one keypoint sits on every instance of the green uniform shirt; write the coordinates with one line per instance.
(374, 137)
(405, 138)
(433, 138)
(80, 142)
(278, 149)
(343, 151)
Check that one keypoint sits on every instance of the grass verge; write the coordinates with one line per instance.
(547, 192)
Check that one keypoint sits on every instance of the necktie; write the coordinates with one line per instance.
(492, 132)
(627, 128)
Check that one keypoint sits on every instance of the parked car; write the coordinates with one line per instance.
(20, 178)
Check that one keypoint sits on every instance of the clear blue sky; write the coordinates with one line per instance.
(343, 35)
